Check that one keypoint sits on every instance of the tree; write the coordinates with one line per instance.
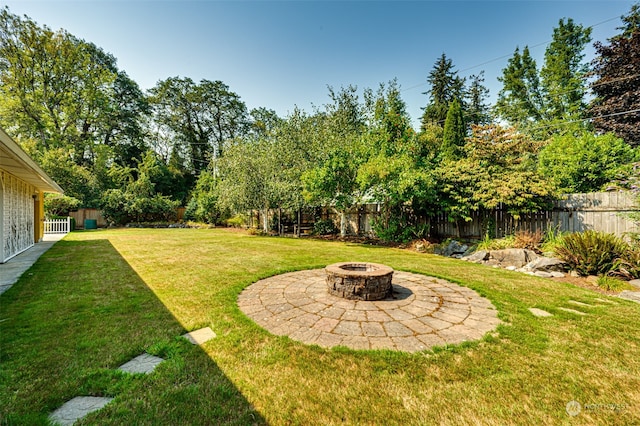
(477, 110)
(60, 205)
(250, 178)
(631, 22)
(125, 115)
(76, 180)
(395, 172)
(446, 86)
(537, 102)
(454, 134)
(204, 205)
(333, 180)
(563, 74)
(63, 92)
(520, 99)
(263, 121)
(616, 107)
(585, 162)
(139, 199)
(499, 167)
(202, 118)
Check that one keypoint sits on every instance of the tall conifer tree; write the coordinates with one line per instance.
(446, 86)
(520, 100)
(563, 74)
(455, 131)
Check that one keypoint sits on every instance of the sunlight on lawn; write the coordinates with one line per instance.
(525, 373)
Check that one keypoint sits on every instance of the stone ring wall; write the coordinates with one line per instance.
(425, 312)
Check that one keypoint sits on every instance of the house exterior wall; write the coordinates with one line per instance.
(17, 216)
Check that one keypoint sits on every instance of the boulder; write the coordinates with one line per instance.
(547, 264)
(477, 257)
(630, 295)
(453, 248)
(512, 257)
(635, 283)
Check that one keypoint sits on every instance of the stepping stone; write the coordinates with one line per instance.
(575, 302)
(604, 301)
(198, 337)
(634, 296)
(540, 313)
(573, 311)
(144, 363)
(77, 408)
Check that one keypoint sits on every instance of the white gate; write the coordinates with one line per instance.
(57, 226)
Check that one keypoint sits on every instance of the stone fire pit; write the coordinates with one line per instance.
(359, 280)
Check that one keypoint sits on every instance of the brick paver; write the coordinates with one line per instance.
(424, 312)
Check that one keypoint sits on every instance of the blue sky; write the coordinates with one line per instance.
(279, 54)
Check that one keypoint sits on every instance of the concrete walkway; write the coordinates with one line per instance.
(18, 265)
(424, 312)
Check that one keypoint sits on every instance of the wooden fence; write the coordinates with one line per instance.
(600, 211)
(83, 214)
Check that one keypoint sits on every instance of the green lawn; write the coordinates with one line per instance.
(97, 299)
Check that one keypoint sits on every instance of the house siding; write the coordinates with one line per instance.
(17, 215)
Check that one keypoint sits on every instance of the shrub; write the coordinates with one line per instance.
(611, 283)
(551, 239)
(628, 265)
(236, 221)
(120, 207)
(489, 243)
(256, 231)
(527, 240)
(400, 229)
(591, 252)
(324, 227)
(114, 202)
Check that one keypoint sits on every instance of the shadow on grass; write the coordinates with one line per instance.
(78, 314)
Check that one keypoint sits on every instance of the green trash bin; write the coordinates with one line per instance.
(90, 224)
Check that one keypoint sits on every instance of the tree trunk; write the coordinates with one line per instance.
(343, 224)
(265, 220)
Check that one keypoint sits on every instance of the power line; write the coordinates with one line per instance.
(578, 120)
(506, 56)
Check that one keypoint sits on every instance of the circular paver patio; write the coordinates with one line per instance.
(423, 312)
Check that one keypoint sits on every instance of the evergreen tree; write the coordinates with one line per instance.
(563, 73)
(520, 99)
(446, 86)
(617, 88)
(455, 131)
(631, 22)
(477, 109)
